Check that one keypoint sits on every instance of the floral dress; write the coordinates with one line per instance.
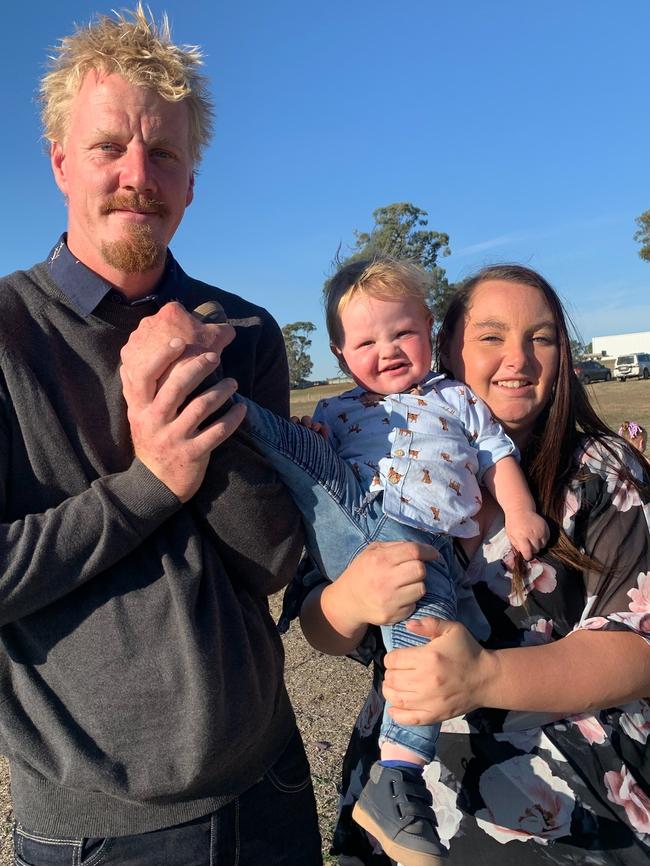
(513, 787)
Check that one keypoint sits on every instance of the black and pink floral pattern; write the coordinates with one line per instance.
(512, 788)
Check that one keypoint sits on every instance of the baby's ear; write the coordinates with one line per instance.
(340, 358)
(430, 324)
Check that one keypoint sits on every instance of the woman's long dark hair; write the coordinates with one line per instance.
(548, 459)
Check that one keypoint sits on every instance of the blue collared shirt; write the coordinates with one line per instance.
(85, 289)
(427, 450)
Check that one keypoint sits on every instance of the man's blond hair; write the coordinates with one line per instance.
(132, 45)
(381, 277)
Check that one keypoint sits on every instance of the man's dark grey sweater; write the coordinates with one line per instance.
(140, 673)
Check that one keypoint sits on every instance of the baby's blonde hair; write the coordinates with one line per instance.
(381, 277)
(135, 47)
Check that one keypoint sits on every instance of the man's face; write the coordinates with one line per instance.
(126, 172)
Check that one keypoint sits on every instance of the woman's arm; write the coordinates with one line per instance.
(452, 674)
(603, 663)
(380, 586)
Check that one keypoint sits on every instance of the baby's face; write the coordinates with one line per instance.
(386, 344)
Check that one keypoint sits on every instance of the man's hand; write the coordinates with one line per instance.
(165, 359)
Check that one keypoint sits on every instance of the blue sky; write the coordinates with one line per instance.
(521, 128)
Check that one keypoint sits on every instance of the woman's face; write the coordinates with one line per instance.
(506, 349)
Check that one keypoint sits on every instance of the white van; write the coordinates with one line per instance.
(635, 366)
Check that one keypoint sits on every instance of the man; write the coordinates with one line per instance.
(142, 705)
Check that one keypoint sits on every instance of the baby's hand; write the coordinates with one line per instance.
(308, 422)
(527, 532)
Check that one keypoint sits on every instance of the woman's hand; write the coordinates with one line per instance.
(452, 674)
(383, 583)
(380, 586)
(439, 680)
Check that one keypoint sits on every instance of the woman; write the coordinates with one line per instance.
(546, 775)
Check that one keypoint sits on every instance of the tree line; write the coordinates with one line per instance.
(642, 235)
(399, 230)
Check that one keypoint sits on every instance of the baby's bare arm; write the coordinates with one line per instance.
(525, 528)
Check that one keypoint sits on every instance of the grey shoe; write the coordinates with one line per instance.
(395, 806)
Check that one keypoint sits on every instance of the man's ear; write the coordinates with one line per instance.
(190, 191)
(57, 161)
(340, 358)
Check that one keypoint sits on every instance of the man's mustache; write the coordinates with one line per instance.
(137, 203)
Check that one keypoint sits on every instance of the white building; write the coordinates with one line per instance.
(620, 344)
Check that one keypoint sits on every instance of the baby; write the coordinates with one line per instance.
(402, 457)
(634, 433)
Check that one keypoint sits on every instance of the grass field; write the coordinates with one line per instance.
(326, 691)
(614, 401)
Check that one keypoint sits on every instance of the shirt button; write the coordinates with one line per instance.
(399, 453)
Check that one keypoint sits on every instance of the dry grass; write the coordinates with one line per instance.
(304, 401)
(621, 401)
(327, 692)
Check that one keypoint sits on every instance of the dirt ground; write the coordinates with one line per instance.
(327, 692)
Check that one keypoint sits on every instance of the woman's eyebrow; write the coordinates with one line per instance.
(498, 325)
(490, 323)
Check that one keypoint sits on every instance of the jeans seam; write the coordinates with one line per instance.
(98, 857)
(281, 786)
(27, 835)
(330, 485)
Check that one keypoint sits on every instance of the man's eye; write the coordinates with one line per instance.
(107, 147)
(162, 154)
(490, 338)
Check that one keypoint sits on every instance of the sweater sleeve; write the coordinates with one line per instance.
(45, 556)
(256, 525)
(271, 384)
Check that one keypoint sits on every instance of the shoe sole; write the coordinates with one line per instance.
(405, 856)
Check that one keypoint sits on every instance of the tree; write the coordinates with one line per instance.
(297, 343)
(642, 235)
(578, 348)
(400, 231)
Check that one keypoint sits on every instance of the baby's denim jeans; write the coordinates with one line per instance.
(340, 521)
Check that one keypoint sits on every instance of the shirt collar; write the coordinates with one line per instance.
(425, 384)
(85, 289)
